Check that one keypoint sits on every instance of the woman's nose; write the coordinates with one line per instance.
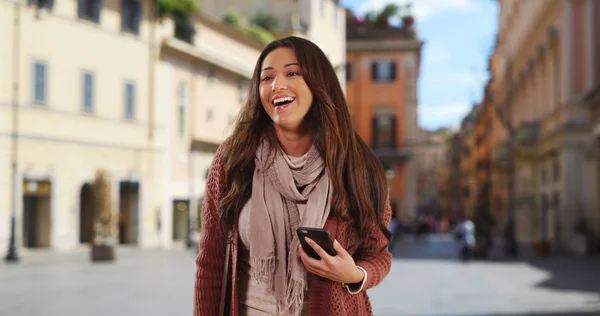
(278, 84)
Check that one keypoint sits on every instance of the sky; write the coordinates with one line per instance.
(458, 37)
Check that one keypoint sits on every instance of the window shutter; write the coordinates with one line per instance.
(348, 71)
(81, 8)
(374, 71)
(393, 143)
(375, 129)
(125, 9)
(97, 8)
(392, 71)
(137, 14)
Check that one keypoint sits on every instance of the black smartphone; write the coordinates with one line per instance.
(318, 235)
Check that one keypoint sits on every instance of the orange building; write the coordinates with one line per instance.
(483, 134)
(382, 72)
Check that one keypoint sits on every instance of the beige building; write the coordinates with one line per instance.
(79, 82)
(543, 68)
(430, 153)
(321, 21)
(203, 83)
(112, 88)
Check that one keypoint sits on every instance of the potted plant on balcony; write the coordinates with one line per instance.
(180, 10)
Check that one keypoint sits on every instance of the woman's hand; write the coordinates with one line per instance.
(340, 268)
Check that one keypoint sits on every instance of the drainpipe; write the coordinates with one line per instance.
(12, 255)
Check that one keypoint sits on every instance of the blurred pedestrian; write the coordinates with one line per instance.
(467, 238)
(293, 160)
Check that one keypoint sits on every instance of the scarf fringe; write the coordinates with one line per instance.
(263, 270)
(294, 298)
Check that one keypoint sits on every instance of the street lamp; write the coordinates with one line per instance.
(12, 255)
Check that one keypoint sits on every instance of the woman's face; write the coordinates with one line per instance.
(283, 91)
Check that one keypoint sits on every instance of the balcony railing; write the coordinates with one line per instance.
(566, 118)
(528, 133)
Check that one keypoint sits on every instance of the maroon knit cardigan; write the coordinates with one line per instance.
(325, 297)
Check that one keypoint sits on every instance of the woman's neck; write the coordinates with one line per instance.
(293, 143)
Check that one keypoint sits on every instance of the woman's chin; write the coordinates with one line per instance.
(288, 125)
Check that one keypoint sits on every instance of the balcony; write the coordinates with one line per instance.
(528, 134)
(185, 32)
(527, 138)
(566, 119)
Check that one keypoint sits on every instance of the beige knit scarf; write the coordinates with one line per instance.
(285, 194)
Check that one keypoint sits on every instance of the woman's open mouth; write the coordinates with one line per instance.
(282, 102)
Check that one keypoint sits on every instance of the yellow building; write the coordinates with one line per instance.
(78, 79)
(111, 87)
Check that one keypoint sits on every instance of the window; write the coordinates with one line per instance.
(322, 8)
(209, 114)
(129, 100)
(348, 71)
(384, 130)
(40, 78)
(383, 71)
(88, 92)
(543, 175)
(182, 96)
(130, 15)
(212, 73)
(42, 3)
(90, 9)
(556, 170)
(556, 201)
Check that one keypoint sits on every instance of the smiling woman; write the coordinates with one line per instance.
(284, 93)
(293, 160)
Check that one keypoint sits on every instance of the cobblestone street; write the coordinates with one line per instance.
(426, 279)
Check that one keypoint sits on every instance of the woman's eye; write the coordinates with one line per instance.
(293, 73)
(266, 78)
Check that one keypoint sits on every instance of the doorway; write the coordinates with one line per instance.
(181, 211)
(36, 214)
(86, 214)
(129, 196)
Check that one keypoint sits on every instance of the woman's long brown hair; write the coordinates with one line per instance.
(358, 179)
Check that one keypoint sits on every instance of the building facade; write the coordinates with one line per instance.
(483, 162)
(307, 18)
(468, 163)
(142, 100)
(545, 67)
(205, 80)
(430, 152)
(450, 177)
(75, 107)
(382, 75)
